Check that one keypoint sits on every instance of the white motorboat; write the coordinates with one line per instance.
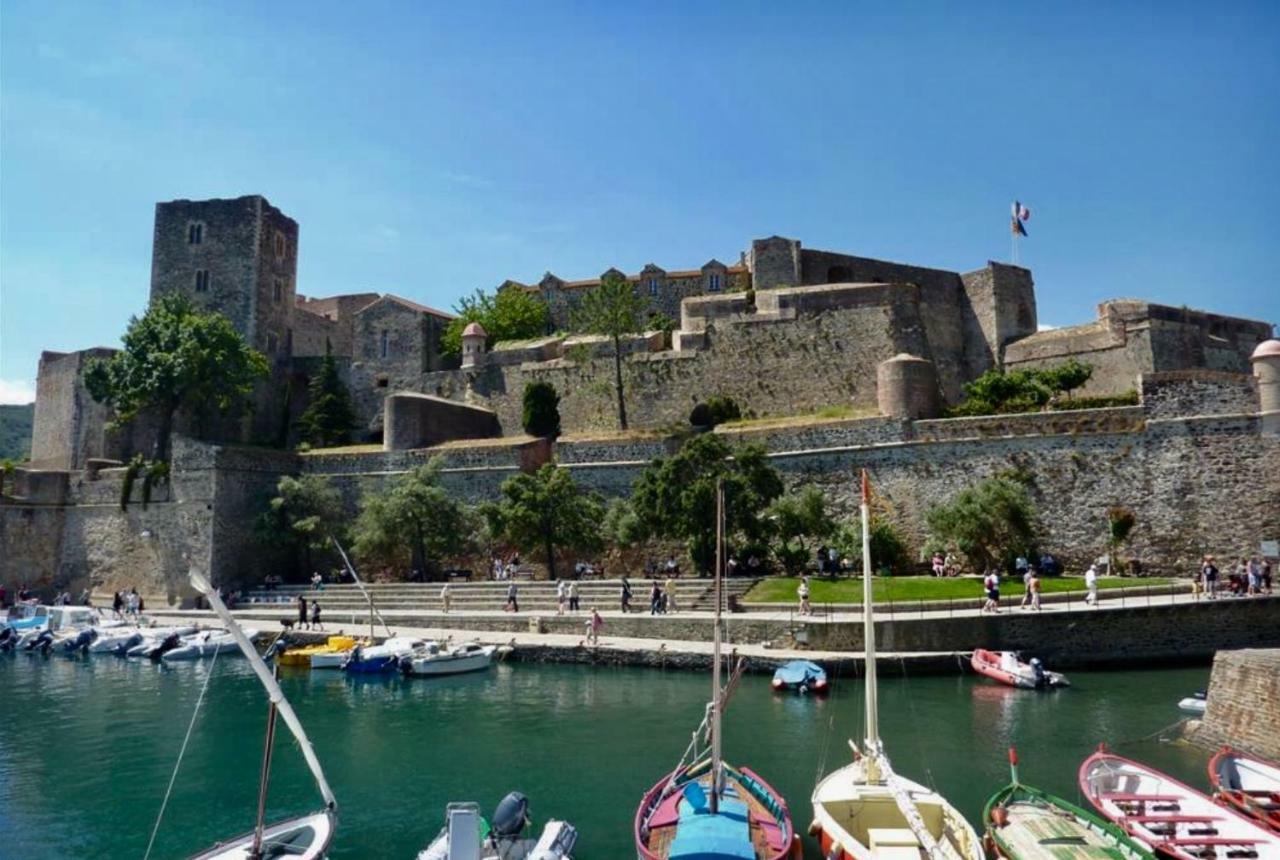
(435, 660)
(60, 625)
(305, 837)
(462, 839)
(206, 644)
(1195, 704)
(374, 659)
(120, 640)
(865, 811)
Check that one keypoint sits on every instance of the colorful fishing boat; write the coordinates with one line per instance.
(706, 809)
(337, 646)
(1248, 785)
(1005, 667)
(801, 675)
(1171, 817)
(864, 810)
(1025, 823)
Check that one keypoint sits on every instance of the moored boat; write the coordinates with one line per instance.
(1247, 784)
(1169, 816)
(1025, 823)
(705, 808)
(466, 834)
(206, 644)
(1005, 667)
(1194, 704)
(802, 675)
(432, 659)
(305, 837)
(303, 655)
(864, 810)
(375, 659)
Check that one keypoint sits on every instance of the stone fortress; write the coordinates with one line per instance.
(786, 331)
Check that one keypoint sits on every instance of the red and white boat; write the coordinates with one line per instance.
(1248, 785)
(1169, 816)
(1005, 667)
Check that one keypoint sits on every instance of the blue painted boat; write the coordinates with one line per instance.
(802, 675)
(376, 659)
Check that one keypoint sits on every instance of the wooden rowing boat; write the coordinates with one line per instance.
(1169, 816)
(1025, 823)
(1248, 785)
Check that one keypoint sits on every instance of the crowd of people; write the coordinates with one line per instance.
(1248, 577)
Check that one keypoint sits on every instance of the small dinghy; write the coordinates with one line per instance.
(801, 675)
(206, 644)
(1195, 704)
(1005, 667)
(1169, 816)
(1248, 785)
(1025, 823)
(467, 836)
(431, 659)
(337, 646)
(375, 659)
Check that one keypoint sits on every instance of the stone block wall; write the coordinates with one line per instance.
(419, 420)
(1244, 703)
(1198, 392)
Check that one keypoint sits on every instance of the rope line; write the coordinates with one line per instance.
(178, 764)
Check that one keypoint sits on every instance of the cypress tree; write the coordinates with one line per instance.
(328, 418)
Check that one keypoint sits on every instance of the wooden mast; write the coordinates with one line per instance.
(716, 764)
(255, 852)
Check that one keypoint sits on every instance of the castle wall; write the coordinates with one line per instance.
(1243, 705)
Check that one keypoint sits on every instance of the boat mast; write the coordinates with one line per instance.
(255, 853)
(360, 585)
(715, 651)
(869, 637)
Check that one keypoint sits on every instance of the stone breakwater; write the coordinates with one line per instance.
(1243, 706)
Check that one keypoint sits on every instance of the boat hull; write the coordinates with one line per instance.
(1021, 675)
(1018, 818)
(1248, 785)
(448, 664)
(309, 834)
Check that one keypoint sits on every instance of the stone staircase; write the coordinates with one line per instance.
(536, 596)
(732, 589)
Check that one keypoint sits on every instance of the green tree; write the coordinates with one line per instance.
(889, 551)
(613, 309)
(301, 517)
(675, 497)
(996, 392)
(540, 414)
(328, 418)
(414, 521)
(549, 510)
(1068, 376)
(508, 314)
(621, 525)
(175, 357)
(990, 522)
(797, 518)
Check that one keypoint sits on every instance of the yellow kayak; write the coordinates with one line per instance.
(337, 645)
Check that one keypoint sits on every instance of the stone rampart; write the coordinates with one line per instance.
(1243, 706)
(1108, 420)
(1198, 392)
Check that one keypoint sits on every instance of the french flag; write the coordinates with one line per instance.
(1020, 214)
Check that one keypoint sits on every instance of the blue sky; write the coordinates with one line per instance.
(428, 148)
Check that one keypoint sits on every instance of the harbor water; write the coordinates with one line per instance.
(88, 745)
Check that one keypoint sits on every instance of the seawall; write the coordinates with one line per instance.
(1243, 707)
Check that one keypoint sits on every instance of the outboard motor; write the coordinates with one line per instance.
(170, 642)
(510, 818)
(123, 648)
(81, 642)
(1037, 669)
(8, 638)
(277, 648)
(41, 643)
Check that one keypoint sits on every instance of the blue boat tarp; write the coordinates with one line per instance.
(703, 836)
(798, 672)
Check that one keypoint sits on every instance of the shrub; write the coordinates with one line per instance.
(991, 522)
(1128, 398)
(889, 551)
(715, 411)
(541, 414)
(997, 393)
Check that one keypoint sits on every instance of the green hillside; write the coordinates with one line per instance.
(15, 431)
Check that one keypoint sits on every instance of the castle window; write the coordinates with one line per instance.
(713, 283)
(195, 234)
(280, 245)
(382, 382)
(653, 286)
(202, 280)
(272, 344)
(277, 291)
(383, 343)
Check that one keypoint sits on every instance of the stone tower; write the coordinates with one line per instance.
(1266, 369)
(238, 257)
(473, 340)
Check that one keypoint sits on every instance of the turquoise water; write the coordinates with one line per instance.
(87, 746)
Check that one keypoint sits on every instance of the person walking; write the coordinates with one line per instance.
(445, 598)
(513, 598)
(655, 598)
(991, 584)
(1026, 588)
(1033, 588)
(1091, 585)
(670, 605)
(803, 593)
(594, 623)
(117, 603)
(315, 615)
(562, 593)
(573, 596)
(302, 612)
(626, 595)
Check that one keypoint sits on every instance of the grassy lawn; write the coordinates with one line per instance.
(783, 589)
